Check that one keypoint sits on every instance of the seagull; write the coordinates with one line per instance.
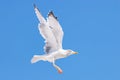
(52, 32)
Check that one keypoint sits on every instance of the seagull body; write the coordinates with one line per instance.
(52, 32)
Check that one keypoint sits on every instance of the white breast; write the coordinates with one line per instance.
(56, 55)
(59, 54)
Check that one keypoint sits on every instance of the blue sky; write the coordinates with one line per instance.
(91, 27)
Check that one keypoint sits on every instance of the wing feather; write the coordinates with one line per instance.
(46, 32)
(56, 28)
(51, 44)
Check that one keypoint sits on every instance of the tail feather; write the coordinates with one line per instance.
(37, 58)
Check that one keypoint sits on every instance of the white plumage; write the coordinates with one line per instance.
(52, 32)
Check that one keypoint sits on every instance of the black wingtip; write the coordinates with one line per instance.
(52, 14)
(34, 6)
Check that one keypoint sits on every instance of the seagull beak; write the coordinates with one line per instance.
(75, 52)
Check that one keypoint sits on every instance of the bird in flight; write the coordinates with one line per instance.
(52, 32)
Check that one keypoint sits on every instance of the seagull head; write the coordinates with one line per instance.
(70, 52)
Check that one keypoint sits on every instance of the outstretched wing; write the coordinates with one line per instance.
(46, 32)
(56, 28)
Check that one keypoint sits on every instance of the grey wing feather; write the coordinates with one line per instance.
(44, 29)
(51, 44)
(56, 28)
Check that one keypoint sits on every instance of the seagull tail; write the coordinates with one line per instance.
(37, 58)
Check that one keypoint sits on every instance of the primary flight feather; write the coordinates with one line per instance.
(52, 32)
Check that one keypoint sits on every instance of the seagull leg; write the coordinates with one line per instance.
(57, 67)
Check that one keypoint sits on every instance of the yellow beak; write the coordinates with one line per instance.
(74, 52)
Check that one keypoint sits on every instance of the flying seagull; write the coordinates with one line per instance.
(52, 32)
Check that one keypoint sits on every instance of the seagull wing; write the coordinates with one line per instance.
(46, 32)
(56, 28)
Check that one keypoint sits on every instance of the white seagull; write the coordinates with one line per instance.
(52, 32)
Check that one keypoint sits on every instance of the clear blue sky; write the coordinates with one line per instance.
(91, 27)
